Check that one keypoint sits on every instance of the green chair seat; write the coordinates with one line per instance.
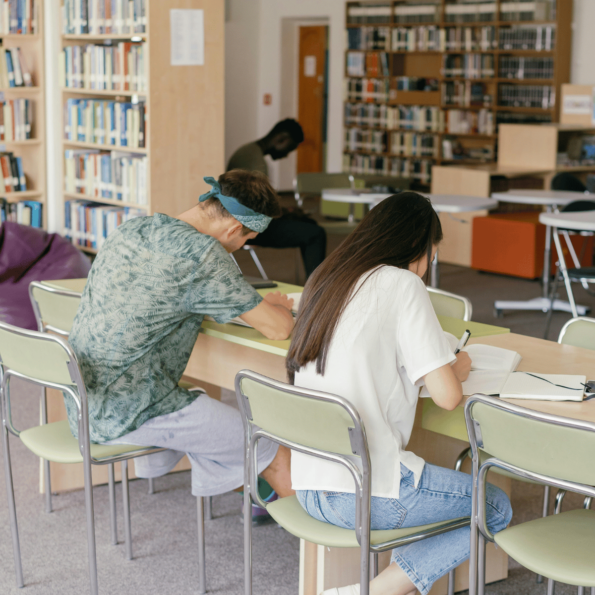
(186, 385)
(289, 513)
(560, 547)
(54, 442)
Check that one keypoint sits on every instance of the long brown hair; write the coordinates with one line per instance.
(397, 232)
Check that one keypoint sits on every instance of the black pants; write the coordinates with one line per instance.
(287, 232)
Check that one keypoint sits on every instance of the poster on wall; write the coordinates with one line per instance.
(187, 32)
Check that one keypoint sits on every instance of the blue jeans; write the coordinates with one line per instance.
(441, 494)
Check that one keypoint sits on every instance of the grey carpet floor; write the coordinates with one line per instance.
(164, 524)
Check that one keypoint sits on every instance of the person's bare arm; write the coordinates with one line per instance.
(272, 317)
(444, 383)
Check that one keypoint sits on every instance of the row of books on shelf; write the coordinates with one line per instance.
(538, 96)
(16, 118)
(540, 38)
(465, 94)
(12, 174)
(118, 67)
(393, 117)
(370, 141)
(468, 122)
(464, 12)
(470, 66)
(105, 122)
(413, 144)
(89, 224)
(18, 17)
(419, 170)
(25, 212)
(98, 17)
(521, 68)
(363, 64)
(368, 89)
(107, 174)
(416, 83)
(438, 39)
(442, 39)
(13, 72)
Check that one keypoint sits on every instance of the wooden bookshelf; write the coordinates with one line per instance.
(430, 64)
(33, 150)
(184, 136)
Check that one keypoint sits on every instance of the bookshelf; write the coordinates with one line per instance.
(428, 82)
(168, 126)
(30, 151)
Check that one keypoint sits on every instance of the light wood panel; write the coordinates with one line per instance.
(527, 146)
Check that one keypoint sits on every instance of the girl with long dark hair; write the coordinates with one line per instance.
(366, 331)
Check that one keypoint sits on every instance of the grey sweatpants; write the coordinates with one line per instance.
(211, 434)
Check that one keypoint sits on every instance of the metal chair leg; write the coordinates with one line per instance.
(550, 313)
(247, 541)
(551, 584)
(545, 511)
(89, 509)
(581, 591)
(202, 565)
(208, 508)
(151, 489)
(565, 276)
(458, 464)
(112, 504)
(481, 567)
(258, 263)
(587, 503)
(126, 501)
(373, 565)
(46, 464)
(14, 528)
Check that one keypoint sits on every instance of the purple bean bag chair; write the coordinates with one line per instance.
(29, 254)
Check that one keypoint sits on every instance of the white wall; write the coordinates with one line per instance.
(582, 71)
(242, 60)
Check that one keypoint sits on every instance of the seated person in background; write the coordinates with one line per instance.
(366, 331)
(149, 289)
(292, 229)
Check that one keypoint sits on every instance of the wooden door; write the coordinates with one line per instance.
(312, 98)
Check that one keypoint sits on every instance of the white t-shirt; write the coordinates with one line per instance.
(386, 340)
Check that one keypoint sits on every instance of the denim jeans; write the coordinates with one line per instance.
(441, 494)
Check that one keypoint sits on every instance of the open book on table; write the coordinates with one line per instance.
(237, 320)
(494, 372)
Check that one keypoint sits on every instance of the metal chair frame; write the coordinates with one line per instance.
(362, 479)
(468, 305)
(479, 529)
(79, 395)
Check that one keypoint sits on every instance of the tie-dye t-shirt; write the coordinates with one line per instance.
(151, 285)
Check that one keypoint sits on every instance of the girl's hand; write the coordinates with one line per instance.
(462, 366)
(276, 299)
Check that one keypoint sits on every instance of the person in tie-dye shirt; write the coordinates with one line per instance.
(150, 287)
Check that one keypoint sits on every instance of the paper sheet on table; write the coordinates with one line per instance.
(523, 386)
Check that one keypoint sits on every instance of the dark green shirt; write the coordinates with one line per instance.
(249, 157)
(151, 285)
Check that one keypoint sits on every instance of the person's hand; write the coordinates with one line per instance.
(462, 366)
(277, 299)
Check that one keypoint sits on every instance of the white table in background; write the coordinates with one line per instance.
(551, 199)
(577, 221)
(442, 203)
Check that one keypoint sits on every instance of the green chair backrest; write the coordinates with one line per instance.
(557, 447)
(56, 309)
(298, 418)
(315, 183)
(38, 356)
(579, 332)
(450, 304)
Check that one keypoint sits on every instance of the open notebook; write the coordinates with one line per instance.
(237, 320)
(493, 372)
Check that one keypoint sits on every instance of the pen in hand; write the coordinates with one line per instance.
(463, 341)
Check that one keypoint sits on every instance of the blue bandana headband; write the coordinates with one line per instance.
(246, 216)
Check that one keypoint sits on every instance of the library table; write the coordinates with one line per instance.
(219, 353)
(551, 199)
(442, 203)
